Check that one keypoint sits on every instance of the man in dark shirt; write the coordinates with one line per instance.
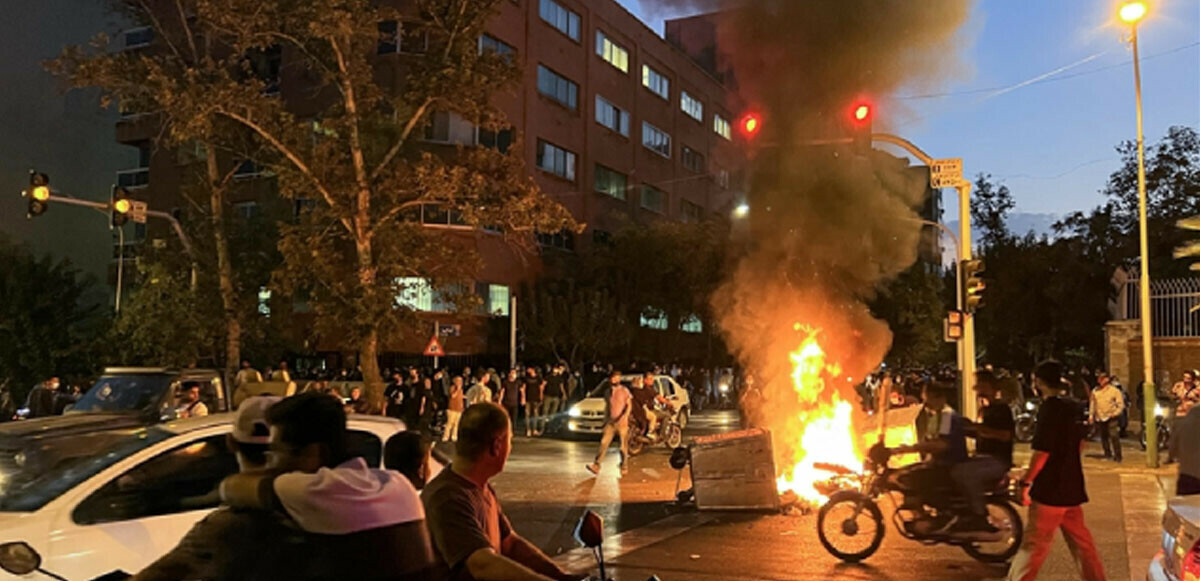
(534, 388)
(1057, 492)
(556, 390)
(472, 538)
(993, 453)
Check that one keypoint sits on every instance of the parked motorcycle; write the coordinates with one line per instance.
(850, 524)
(1026, 420)
(668, 432)
(1161, 411)
(19, 558)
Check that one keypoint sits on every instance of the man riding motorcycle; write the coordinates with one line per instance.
(993, 453)
(944, 441)
(645, 413)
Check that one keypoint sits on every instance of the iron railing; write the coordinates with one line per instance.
(1174, 306)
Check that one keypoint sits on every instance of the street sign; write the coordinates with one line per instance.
(137, 211)
(449, 330)
(434, 349)
(945, 173)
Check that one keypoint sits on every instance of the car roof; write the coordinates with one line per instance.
(183, 426)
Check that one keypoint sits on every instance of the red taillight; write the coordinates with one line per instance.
(1189, 565)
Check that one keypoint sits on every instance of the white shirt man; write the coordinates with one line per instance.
(479, 392)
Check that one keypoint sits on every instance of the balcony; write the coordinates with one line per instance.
(134, 179)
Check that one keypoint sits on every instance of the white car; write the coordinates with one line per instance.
(587, 416)
(1179, 559)
(93, 498)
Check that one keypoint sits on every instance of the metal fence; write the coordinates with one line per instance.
(1174, 306)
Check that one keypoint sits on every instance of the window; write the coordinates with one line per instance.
(560, 17)
(402, 37)
(656, 82)
(611, 116)
(611, 182)
(612, 53)
(415, 293)
(264, 301)
(179, 480)
(558, 87)
(653, 318)
(692, 159)
(497, 300)
(489, 43)
(693, 107)
(722, 177)
(564, 240)
(602, 237)
(138, 37)
(721, 126)
(654, 199)
(692, 324)
(498, 140)
(556, 160)
(656, 139)
(446, 127)
(247, 210)
(690, 212)
(438, 215)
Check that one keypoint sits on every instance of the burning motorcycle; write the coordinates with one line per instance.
(850, 524)
(668, 432)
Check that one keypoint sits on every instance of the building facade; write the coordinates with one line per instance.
(615, 123)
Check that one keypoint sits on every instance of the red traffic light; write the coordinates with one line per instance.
(862, 112)
(751, 124)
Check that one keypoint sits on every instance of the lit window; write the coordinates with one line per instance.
(721, 127)
(264, 301)
(654, 319)
(656, 139)
(415, 293)
(693, 107)
(498, 300)
(656, 82)
(692, 324)
(560, 17)
(611, 116)
(612, 53)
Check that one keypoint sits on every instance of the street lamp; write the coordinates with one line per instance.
(742, 210)
(1132, 13)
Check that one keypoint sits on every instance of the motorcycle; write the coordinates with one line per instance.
(19, 558)
(850, 524)
(668, 432)
(1161, 409)
(1026, 420)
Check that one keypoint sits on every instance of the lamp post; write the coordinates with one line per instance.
(1132, 13)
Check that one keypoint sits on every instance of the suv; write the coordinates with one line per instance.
(149, 393)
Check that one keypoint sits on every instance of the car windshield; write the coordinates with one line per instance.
(32, 476)
(123, 393)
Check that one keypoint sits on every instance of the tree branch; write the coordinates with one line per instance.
(408, 128)
(187, 30)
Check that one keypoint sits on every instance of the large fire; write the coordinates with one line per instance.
(826, 430)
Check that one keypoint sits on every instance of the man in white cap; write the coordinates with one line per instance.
(227, 543)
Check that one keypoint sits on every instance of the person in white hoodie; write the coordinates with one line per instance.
(365, 523)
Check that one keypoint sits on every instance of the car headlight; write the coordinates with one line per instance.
(574, 412)
(1159, 411)
(1029, 406)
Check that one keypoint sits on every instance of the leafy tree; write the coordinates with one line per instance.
(913, 307)
(573, 323)
(163, 322)
(991, 205)
(49, 321)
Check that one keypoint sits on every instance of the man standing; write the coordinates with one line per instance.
(535, 388)
(472, 538)
(620, 403)
(1108, 403)
(454, 409)
(393, 394)
(245, 375)
(993, 452)
(556, 391)
(1056, 490)
(480, 392)
(512, 396)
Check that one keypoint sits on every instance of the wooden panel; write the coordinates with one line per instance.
(734, 471)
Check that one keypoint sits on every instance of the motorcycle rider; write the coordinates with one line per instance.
(993, 453)
(654, 414)
(943, 439)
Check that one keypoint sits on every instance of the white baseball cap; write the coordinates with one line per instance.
(250, 425)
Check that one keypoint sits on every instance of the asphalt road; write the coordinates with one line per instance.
(546, 488)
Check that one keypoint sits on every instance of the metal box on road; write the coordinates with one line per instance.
(734, 471)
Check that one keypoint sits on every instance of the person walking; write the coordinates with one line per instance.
(620, 404)
(512, 397)
(1055, 489)
(480, 392)
(454, 410)
(535, 388)
(1108, 403)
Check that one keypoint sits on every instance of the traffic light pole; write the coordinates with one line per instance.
(183, 239)
(966, 352)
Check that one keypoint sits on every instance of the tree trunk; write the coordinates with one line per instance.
(233, 327)
(369, 360)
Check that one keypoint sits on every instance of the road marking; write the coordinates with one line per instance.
(581, 559)
(1143, 501)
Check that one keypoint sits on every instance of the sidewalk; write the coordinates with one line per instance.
(1127, 501)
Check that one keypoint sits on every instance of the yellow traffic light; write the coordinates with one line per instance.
(122, 206)
(40, 193)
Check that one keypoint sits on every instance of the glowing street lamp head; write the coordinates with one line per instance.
(742, 210)
(1133, 12)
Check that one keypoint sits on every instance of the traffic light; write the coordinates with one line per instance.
(861, 114)
(972, 284)
(38, 194)
(953, 326)
(119, 207)
(750, 125)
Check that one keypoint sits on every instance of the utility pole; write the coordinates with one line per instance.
(512, 332)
